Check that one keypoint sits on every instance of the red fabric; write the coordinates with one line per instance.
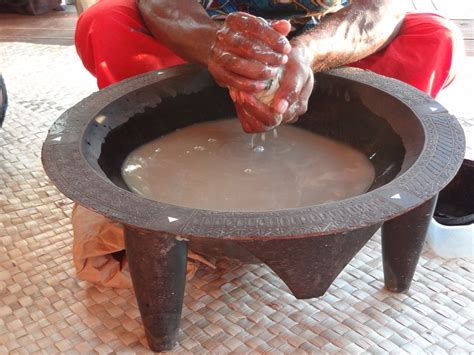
(113, 44)
(425, 54)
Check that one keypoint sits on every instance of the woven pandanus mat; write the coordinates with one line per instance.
(45, 308)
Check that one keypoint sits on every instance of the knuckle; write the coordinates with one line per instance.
(237, 40)
(281, 41)
(255, 49)
(225, 58)
(232, 17)
(272, 58)
(254, 24)
(244, 20)
(258, 27)
(292, 93)
(221, 34)
(234, 62)
(276, 57)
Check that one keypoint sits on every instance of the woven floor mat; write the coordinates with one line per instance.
(44, 307)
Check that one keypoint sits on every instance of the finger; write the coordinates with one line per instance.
(248, 123)
(305, 95)
(247, 118)
(282, 26)
(260, 111)
(288, 93)
(243, 120)
(250, 69)
(234, 95)
(256, 125)
(260, 29)
(249, 48)
(226, 78)
(301, 106)
(290, 113)
(293, 120)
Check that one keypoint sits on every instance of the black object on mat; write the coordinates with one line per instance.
(455, 205)
(3, 99)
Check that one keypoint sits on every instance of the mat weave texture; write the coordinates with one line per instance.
(44, 307)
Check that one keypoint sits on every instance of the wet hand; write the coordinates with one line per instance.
(296, 85)
(254, 115)
(247, 52)
(290, 100)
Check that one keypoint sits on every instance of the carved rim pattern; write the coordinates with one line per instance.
(437, 164)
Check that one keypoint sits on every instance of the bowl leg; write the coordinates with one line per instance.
(308, 266)
(402, 241)
(158, 270)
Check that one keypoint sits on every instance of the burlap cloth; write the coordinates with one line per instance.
(98, 250)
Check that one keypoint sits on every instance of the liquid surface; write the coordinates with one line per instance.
(216, 166)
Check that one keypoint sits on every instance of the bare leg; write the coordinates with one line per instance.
(158, 269)
(402, 242)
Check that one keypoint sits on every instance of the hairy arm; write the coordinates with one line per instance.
(181, 25)
(341, 38)
(351, 34)
(241, 53)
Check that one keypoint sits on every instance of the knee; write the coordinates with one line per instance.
(445, 36)
(109, 10)
(102, 22)
(449, 36)
(96, 14)
(451, 46)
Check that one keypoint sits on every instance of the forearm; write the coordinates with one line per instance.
(181, 25)
(350, 34)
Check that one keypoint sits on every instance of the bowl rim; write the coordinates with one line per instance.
(441, 157)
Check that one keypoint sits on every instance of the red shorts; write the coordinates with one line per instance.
(114, 44)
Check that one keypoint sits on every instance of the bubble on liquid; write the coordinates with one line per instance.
(259, 149)
(132, 167)
(199, 148)
(248, 171)
(187, 152)
(157, 150)
(212, 140)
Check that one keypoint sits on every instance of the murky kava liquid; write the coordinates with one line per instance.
(216, 166)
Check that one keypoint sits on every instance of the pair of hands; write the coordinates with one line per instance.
(246, 56)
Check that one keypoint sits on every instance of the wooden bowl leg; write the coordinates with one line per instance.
(402, 241)
(158, 270)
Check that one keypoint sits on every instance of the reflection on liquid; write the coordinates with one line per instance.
(214, 165)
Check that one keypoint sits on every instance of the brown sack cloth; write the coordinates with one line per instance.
(98, 250)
